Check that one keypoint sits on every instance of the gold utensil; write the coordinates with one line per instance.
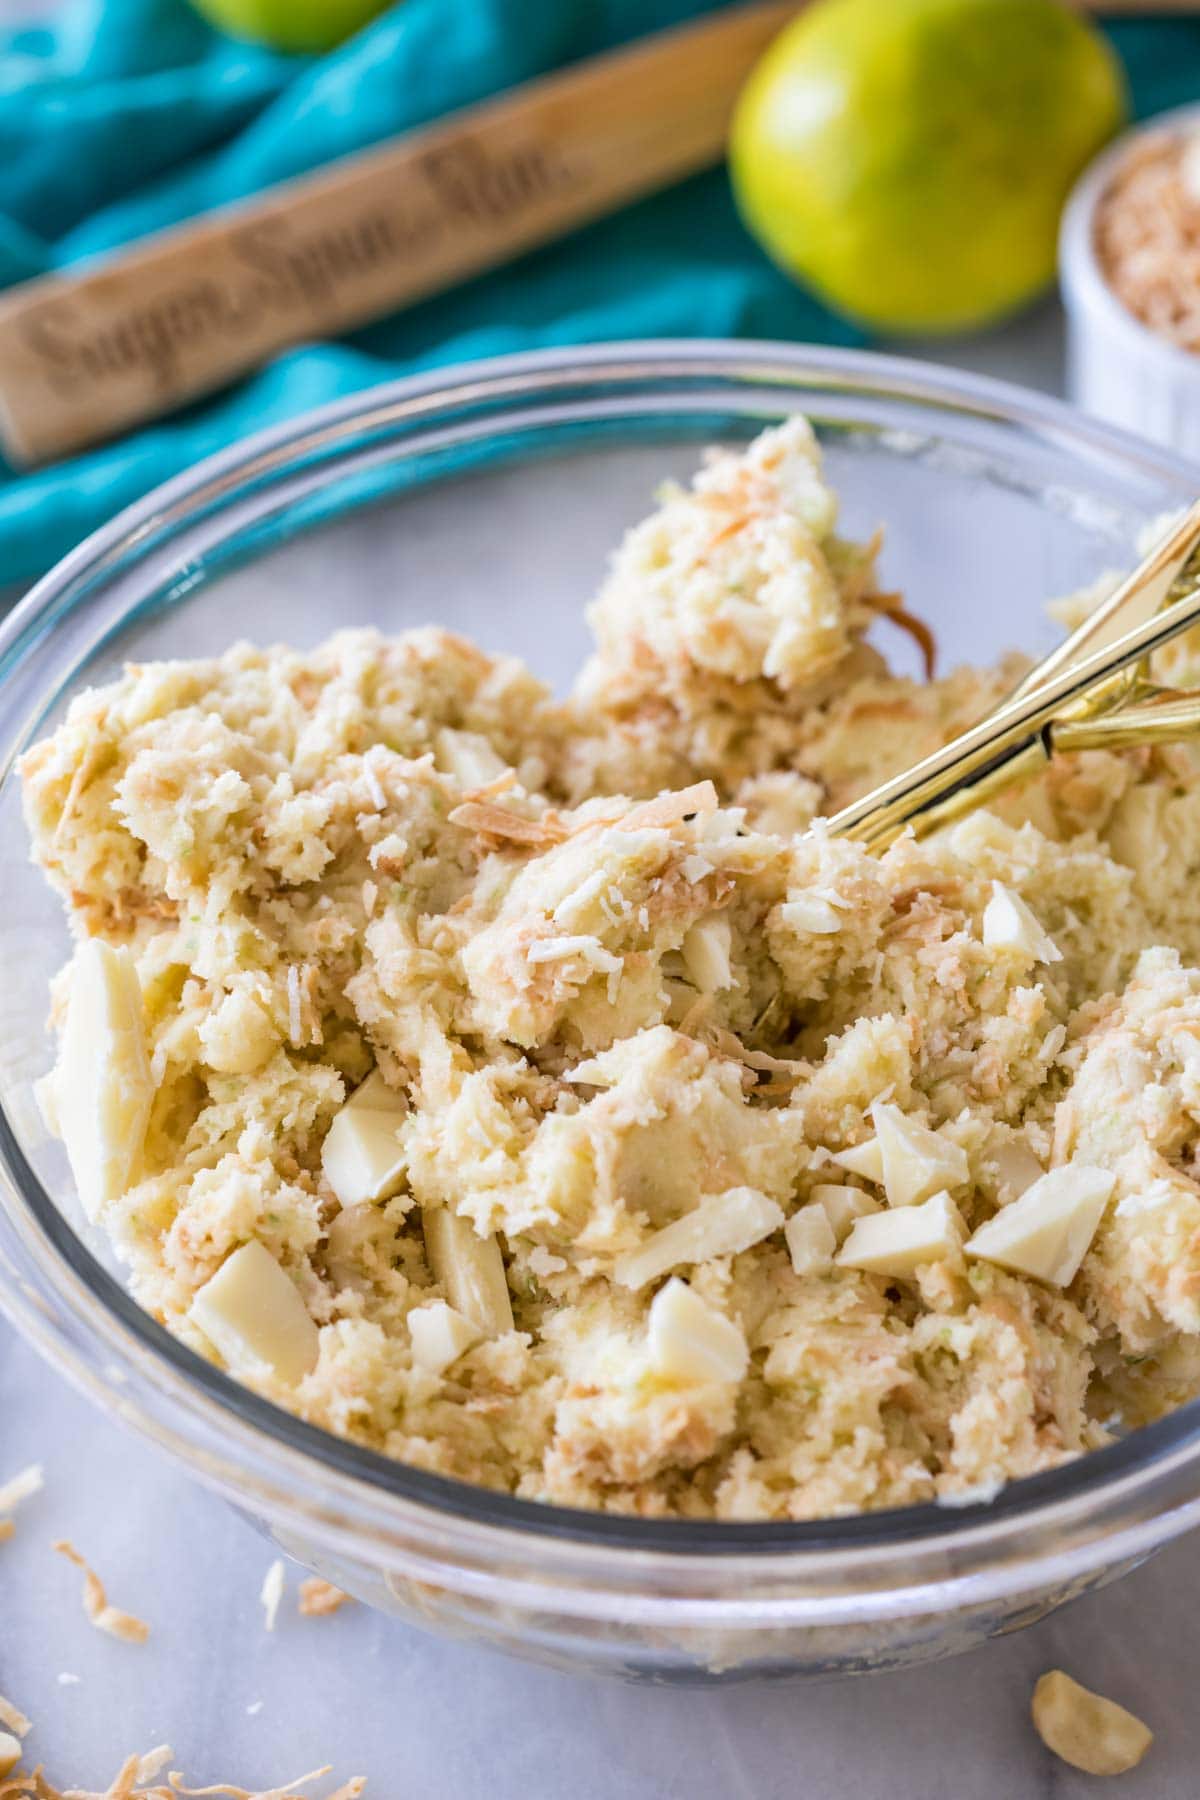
(1092, 692)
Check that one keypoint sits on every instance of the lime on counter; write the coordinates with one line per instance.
(290, 24)
(909, 158)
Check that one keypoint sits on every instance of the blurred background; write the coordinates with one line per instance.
(887, 172)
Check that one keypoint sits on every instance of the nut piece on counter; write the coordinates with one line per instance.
(718, 1225)
(898, 1242)
(1086, 1730)
(253, 1314)
(10, 1753)
(361, 1157)
(102, 1086)
(1046, 1233)
(690, 1342)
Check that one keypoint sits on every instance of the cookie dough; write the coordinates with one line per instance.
(537, 1092)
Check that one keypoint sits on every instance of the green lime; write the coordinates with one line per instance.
(290, 24)
(909, 158)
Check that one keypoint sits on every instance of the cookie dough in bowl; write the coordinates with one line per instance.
(537, 1092)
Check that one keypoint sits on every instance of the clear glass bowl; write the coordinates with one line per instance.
(485, 498)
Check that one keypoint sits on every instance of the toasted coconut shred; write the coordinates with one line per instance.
(96, 1605)
(136, 1779)
(534, 1091)
(1147, 234)
(13, 1719)
(21, 1486)
(271, 1593)
(319, 1598)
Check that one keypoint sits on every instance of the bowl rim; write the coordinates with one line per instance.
(356, 1473)
(1083, 282)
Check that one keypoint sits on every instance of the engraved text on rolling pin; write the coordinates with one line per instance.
(278, 269)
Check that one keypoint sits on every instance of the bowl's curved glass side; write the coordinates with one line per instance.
(443, 489)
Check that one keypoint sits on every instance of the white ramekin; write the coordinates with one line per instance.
(1117, 367)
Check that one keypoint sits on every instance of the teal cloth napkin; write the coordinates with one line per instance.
(123, 116)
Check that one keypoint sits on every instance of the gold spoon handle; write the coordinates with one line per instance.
(1020, 736)
(1142, 593)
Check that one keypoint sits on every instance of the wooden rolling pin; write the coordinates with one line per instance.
(185, 311)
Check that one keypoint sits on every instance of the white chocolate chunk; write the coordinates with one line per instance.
(440, 1335)
(468, 756)
(865, 1159)
(376, 1095)
(470, 1268)
(10, 1752)
(361, 1157)
(842, 1205)
(691, 1343)
(1047, 1232)
(917, 1162)
(102, 1081)
(719, 1225)
(1086, 1730)
(811, 915)
(810, 1239)
(705, 952)
(898, 1242)
(1016, 1167)
(253, 1315)
(1009, 924)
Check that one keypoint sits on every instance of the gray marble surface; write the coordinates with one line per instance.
(421, 1717)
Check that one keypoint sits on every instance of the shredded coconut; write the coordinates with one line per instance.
(104, 1617)
(319, 1598)
(1147, 235)
(498, 822)
(13, 1719)
(136, 1779)
(21, 1486)
(271, 1593)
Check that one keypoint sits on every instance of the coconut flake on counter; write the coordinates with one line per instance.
(271, 1593)
(19, 1487)
(102, 1615)
(318, 1598)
